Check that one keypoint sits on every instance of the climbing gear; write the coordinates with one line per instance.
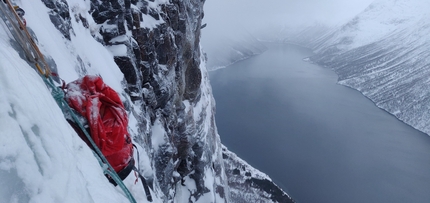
(58, 94)
(124, 172)
(20, 33)
(108, 170)
(33, 54)
(19, 11)
(107, 120)
(144, 183)
(106, 117)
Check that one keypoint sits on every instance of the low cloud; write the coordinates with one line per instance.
(224, 16)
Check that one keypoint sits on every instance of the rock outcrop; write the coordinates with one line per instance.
(156, 45)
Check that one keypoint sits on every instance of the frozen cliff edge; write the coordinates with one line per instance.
(149, 52)
(384, 53)
(247, 184)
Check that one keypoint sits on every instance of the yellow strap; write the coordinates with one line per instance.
(44, 71)
(39, 69)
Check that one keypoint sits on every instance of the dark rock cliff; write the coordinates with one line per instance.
(162, 70)
(167, 83)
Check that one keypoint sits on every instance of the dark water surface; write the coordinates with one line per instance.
(320, 141)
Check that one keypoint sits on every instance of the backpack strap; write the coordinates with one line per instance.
(124, 172)
(144, 183)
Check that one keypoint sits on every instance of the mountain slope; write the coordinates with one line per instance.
(384, 53)
(33, 167)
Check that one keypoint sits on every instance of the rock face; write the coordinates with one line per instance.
(384, 53)
(162, 65)
(248, 184)
(156, 45)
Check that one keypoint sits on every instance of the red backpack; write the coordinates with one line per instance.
(106, 116)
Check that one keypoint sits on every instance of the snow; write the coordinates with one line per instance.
(97, 59)
(158, 135)
(42, 159)
(118, 50)
(184, 192)
(379, 20)
(386, 57)
(150, 22)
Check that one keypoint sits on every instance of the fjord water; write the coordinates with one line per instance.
(320, 141)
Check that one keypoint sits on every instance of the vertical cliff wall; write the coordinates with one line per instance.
(156, 46)
(163, 68)
(148, 51)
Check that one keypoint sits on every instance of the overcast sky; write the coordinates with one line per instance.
(224, 14)
(235, 21)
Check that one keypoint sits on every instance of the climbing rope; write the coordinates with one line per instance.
(15, 25)
(56, 92)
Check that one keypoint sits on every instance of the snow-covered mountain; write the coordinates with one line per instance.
(305, 36)
(149, 52)
(384, 53)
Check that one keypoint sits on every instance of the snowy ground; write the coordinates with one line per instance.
(41, 157)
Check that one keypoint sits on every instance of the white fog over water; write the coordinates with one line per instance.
(226, 17)
(235, 26)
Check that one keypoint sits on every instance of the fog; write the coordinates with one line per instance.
(232, 22)
(253, 14)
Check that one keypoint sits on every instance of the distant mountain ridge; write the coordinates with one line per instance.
(384, 52)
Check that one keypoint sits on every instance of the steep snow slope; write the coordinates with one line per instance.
(376, 22)
(384, 53)
(41, 157)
